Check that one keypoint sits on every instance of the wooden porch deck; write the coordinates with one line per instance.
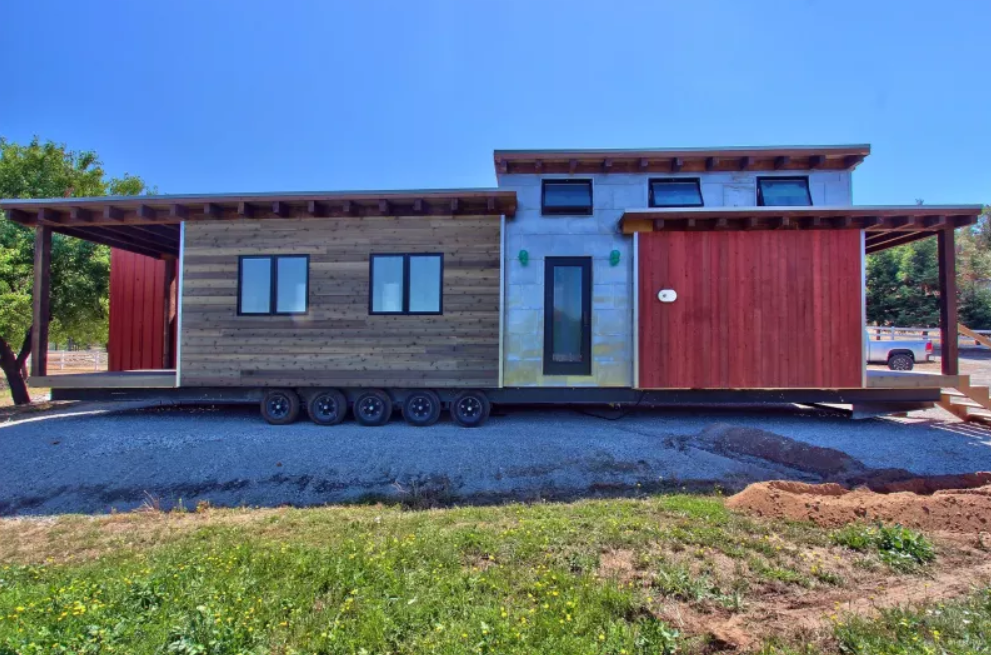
(150, 379)
(910, 380)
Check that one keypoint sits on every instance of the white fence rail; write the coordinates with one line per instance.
(74, 361)
(932, 334)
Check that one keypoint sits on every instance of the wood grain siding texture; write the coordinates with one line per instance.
(337, 343)
(764, 309)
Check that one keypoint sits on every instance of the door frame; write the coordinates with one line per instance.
(583, 367)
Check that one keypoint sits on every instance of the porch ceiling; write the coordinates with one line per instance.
(149, 225)
(886, 226)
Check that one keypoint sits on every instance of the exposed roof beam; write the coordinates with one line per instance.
(711, 163)
(572, 166)
(816, 161)
(145, 212)
(80, 215)
(211, 210)
(245, 210)
(111, 213)
(781, 161)
(935, 222)
(314, 208)
(676, 164)
(178, 211)
(280, 209)
(745, 163)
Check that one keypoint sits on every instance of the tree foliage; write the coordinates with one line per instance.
(903, 282)
(80, 269)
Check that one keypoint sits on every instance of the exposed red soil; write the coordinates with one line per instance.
(930, 504)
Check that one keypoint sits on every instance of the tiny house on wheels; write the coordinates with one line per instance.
(586, 276)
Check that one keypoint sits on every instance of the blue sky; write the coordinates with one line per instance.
(224, 96)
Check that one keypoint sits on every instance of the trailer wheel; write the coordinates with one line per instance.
(280, 406)
(901, 362)
(328, 407)
(372, 407)
(470, 409)
(422, 408)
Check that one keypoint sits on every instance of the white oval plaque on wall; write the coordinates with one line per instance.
(667, 295)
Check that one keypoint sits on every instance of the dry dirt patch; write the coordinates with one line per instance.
(960, 510)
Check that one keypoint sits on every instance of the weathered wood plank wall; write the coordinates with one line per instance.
(762, 309)
(338, 343)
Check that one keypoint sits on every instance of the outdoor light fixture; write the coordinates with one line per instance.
(614, 258)
(524, 257)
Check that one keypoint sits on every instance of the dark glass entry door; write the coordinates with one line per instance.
(568, 316)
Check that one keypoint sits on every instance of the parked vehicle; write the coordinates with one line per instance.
(899, 354)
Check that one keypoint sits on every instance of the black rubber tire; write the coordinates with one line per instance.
(901, 362)
(372, 408)
(280, 406)
(327, 407)
(470, 409)
(422, 408)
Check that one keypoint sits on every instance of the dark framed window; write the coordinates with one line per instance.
(675, 192)
(273, 284)
(406, 284)
(783, 192)
(568, 316)
(566, 197)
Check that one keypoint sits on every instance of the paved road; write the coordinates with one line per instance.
(93, 463)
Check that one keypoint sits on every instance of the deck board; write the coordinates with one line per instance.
(150, 379)
(910, 380)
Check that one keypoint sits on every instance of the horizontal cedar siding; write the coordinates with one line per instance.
(338, 343)
(761, 309)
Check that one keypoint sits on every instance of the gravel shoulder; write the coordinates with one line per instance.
(91, 462)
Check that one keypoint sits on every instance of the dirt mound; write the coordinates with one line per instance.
(966, 510)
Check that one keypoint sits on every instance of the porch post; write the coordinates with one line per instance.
(948, 301)
(40, 301)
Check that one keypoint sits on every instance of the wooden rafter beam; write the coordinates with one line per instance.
(676, 164)
(711, 163)
(245, 210)
(816, 161)
(280, 209)
(211, 210)
(781, 161)
(745, 163)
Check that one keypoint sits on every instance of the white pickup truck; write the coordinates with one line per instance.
(898, 354)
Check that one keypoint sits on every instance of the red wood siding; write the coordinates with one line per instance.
(137, 308)
(761, 309)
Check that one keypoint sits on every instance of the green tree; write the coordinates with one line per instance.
(80, 269)
(903, 282)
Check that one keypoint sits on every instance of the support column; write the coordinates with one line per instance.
(170, 266)
(948, 302)
(40, 302)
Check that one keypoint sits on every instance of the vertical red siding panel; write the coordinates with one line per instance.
(755, 309)
(137, 288)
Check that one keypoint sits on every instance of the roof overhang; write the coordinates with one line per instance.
(886, 226)
(682, 160)
(149, 225)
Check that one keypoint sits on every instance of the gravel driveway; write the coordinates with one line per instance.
(229, 456)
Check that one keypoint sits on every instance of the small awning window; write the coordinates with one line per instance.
(675, 192)
(783, 192)
(567, 197)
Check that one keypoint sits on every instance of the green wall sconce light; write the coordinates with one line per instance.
(524, 257)
(614, 258)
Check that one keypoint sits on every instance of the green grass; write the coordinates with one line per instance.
(900, 548)
(583, 577)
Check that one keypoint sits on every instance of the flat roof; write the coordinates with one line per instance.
(886, 226)
(678, 160)
(149, 225)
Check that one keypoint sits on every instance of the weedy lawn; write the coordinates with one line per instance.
(660, 574)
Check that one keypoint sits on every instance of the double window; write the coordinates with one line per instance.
(675, 192)
(568, 316)
(406, 284)
(566, 197)
(783, 192)
(273, 284)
